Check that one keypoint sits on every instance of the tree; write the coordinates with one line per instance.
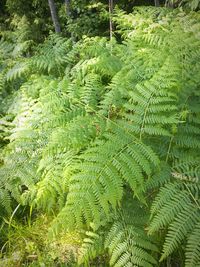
(54, 16)
(67, 7)
(110, 14)
(157, 2)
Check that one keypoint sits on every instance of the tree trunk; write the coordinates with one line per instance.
(169, 4)
(54, 16)
(67, 7)
(157, 2)
(110, 13)
(68, 13)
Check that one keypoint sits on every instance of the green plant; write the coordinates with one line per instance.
(192, 5)
(27, 243)
(102, 129)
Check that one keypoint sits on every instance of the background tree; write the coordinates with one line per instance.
(54, 16)
(110, 17)
(67, 5)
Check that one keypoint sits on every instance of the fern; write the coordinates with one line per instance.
(101, 130)
(192, 252)
(152, 107)
(177, 207)
(18, 71)
(127, 242)
(123, 238)
(92, 247)
(121, 159)
(52, 55)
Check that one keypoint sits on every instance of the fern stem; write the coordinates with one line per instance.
(127, 234)
(115, 156)
(105, 118)
(169, 148)
(144, 117)
(169, 261)
(188, 189)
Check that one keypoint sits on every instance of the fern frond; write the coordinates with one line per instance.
(50, 191)
(52, 55)
(179, 229)
(5, 201)
(19, 70)
(100, 178)
(150, 108)
(92, 247)
(127, 242)
(192, 248)
(176, 208)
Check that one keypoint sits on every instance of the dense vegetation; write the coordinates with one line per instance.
(100, 134)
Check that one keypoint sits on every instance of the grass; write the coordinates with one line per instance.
(28, 244)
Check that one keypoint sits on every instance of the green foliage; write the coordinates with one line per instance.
(102, 130)
(29, 245)
(127, 242)
(177, 208)
(51, 57)
(99, 180)
(82, 15)
(124, 240)
(92, 248)
(189, 4)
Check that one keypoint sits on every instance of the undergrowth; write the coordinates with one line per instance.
(104, 137)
